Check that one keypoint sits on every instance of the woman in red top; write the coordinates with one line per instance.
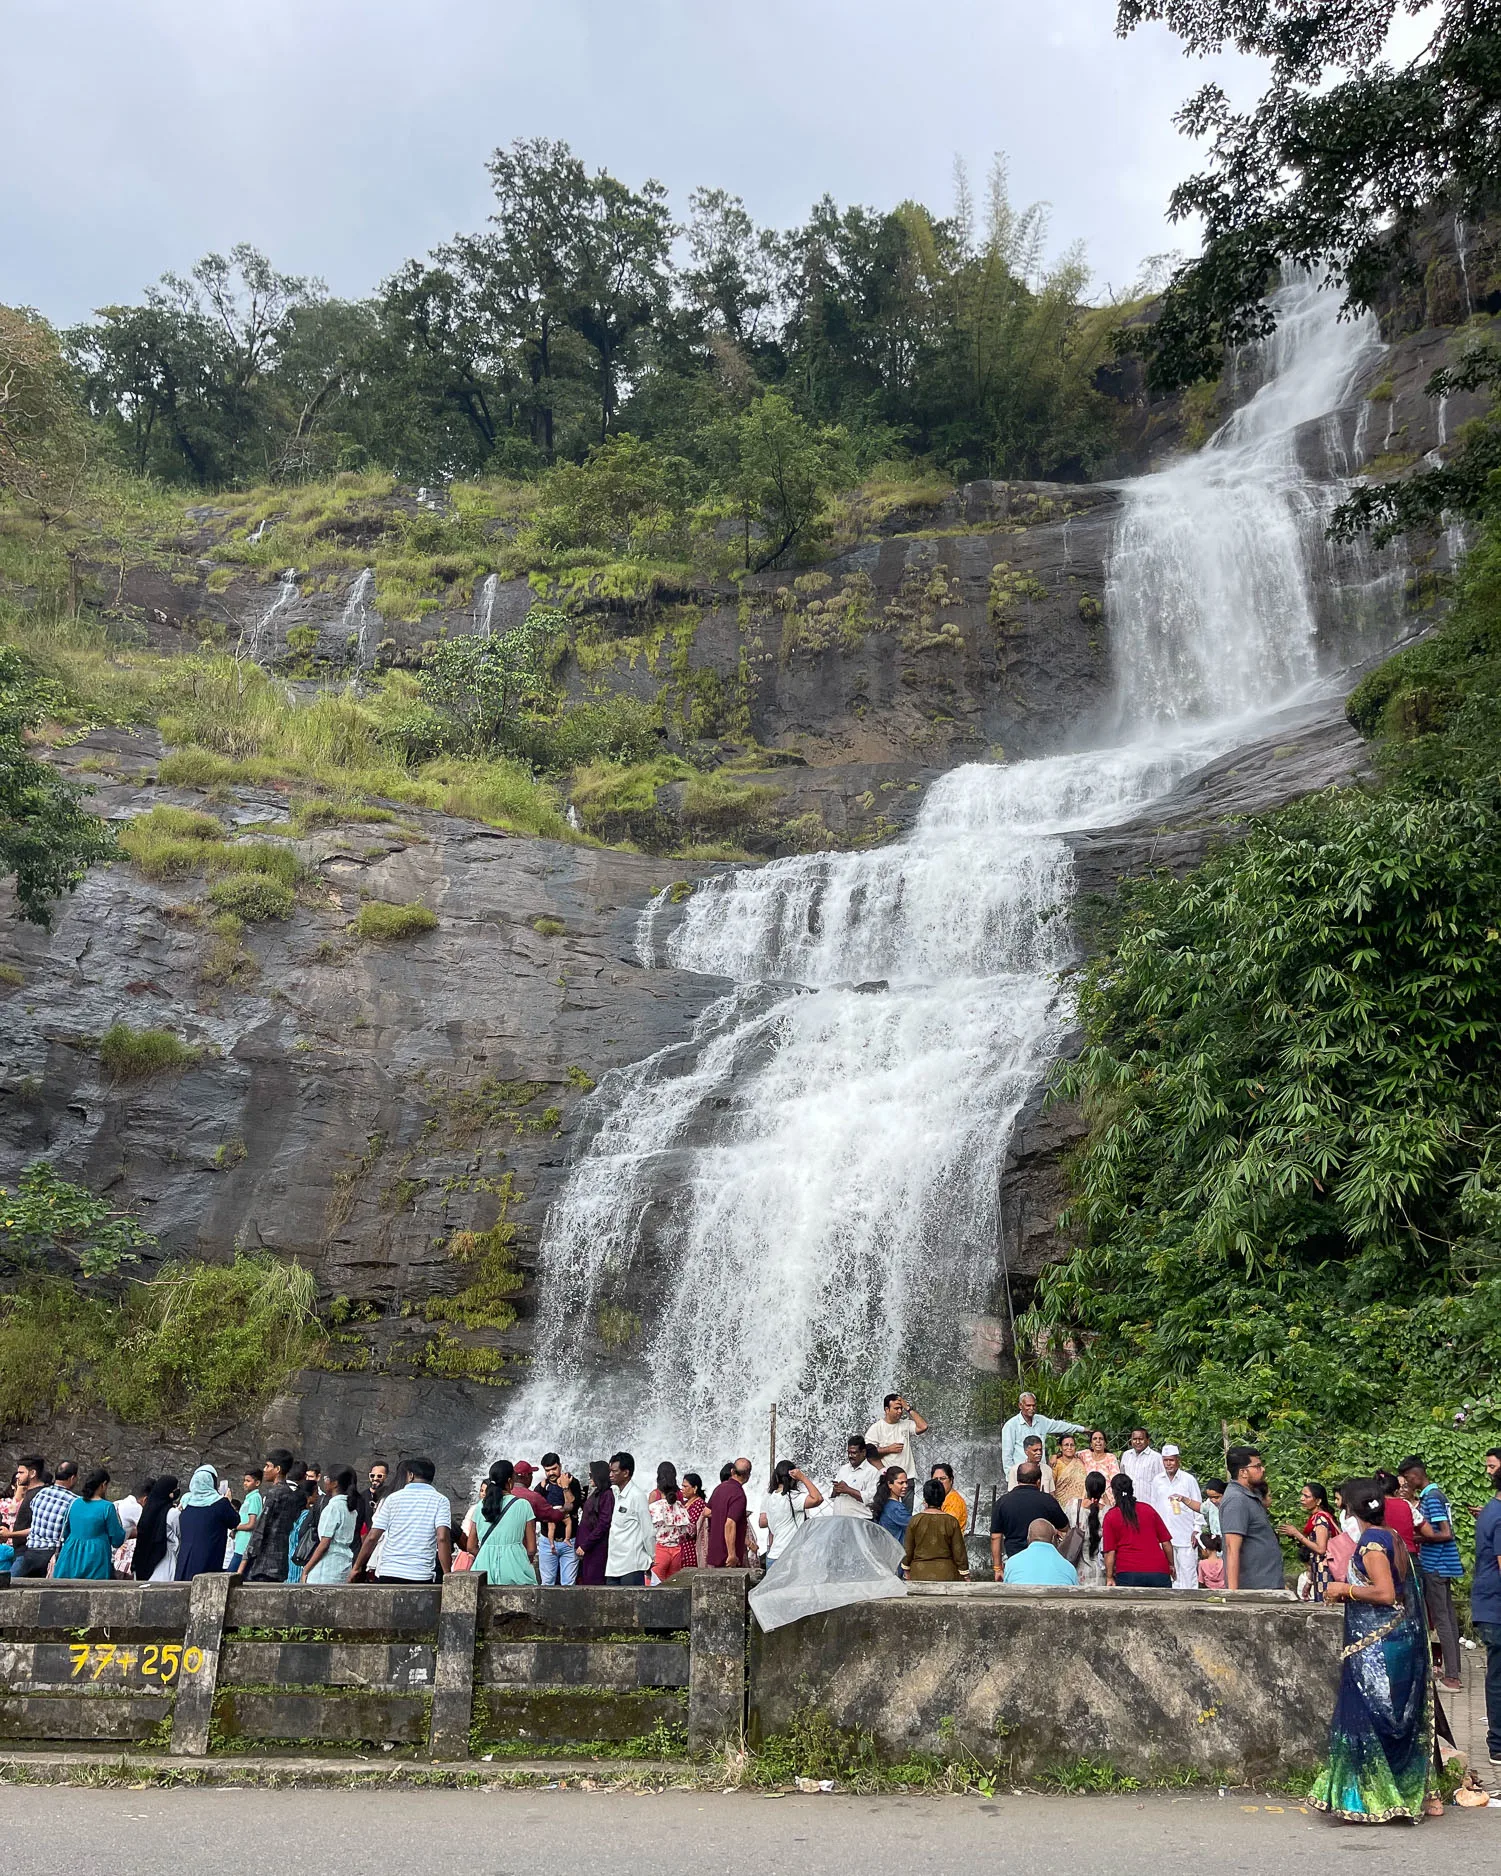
(1138, 1545)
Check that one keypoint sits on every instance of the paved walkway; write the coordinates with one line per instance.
(351, 1833)
(1466, 1714)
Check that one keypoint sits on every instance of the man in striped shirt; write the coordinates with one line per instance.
(1439, 1556)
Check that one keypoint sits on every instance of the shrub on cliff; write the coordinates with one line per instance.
(48, 839)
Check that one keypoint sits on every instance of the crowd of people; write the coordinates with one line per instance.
(1075, 1515)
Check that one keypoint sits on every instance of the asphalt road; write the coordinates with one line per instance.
(74, 1832)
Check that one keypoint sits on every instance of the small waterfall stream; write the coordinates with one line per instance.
(808, 1194)
(356, 617)
(286, 592)
(484, 605)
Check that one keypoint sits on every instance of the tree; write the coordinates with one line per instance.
(540, 191)
(731, 283)
(43, 443)
(784, 471)
(184, 380)
(1336, 166)
(617, 278)
(47, 839)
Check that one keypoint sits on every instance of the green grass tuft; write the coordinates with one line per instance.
(128, 1054)
(381, 921)
(253, 897)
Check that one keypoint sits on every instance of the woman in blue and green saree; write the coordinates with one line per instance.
(1381, 1740)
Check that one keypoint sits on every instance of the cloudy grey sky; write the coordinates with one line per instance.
(343, 135)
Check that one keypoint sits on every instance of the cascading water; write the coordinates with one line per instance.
(484, 605)
(356, 617)
(808, 1193)
(286, 592)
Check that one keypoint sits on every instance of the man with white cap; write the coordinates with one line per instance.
(1180, 1504)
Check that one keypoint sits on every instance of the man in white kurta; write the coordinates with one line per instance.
(1180, 1504)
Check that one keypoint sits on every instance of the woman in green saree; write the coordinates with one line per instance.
(1381, 1740)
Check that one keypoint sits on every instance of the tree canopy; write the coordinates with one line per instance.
(582, 310)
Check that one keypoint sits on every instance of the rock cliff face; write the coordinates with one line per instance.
(361, 1105)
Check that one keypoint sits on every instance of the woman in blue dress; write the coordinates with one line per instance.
(887, 1508)
(1381, 1740)
(94, 1533)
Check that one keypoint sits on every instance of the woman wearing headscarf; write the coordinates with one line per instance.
(157, 1533)
(205, 1519)
(1381, 1761)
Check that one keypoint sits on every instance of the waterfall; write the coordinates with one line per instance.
(286, 592)
(356, 616)
(801, 1203)
(1217, 561)
(484, 606)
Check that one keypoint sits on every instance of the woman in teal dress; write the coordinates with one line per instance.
(337, 1524)
(1381, 1740)
(94, 1533)
(501, 1531)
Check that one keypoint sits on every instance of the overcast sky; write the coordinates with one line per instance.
(342, 136)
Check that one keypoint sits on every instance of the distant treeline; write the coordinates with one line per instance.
(583, 309)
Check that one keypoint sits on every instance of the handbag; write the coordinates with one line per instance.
(1337, 1556)
(1071, 1547)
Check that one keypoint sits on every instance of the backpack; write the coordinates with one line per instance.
(306, 1540)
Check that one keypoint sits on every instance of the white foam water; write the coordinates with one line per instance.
(805, 1197)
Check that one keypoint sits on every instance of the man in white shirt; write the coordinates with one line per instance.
(415, 1525)
(1032, 1456)
(1142, 1466)
(855, 1482)
(1179, 1503)
(1019, 1428)
(632, 1539)
(892, 1434)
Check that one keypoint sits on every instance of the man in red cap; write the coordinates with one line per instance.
(545, 1510)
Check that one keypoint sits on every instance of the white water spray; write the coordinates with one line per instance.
(804, 1200)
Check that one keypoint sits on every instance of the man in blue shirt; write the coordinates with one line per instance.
(1485, 1602)
(1018, 1428)
(1040, 1562)
(1439, 1556)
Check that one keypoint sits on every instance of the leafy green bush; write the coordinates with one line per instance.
(625, 500)
(45, 1217)
(381, 921)
(48, 839)
(253, 897)
(210, 1339)
(128, 1054)
(476, 682)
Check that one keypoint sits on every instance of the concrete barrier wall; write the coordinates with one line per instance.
(223, 1664)
(1148, 1681)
